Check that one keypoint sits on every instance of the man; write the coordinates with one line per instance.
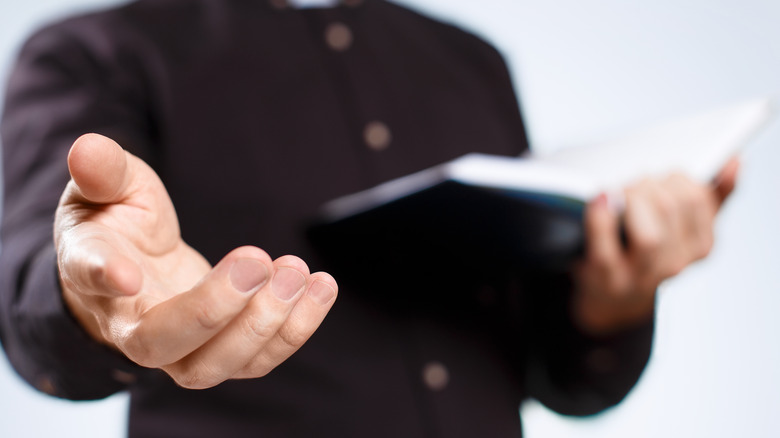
(247, 116)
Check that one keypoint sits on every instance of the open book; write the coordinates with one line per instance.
(530, 208)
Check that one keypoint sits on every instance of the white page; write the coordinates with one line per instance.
(697, 146)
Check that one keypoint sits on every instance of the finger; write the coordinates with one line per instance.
(646, 222)
(174, 328)
(248, 333)
(677, 197)
(726, 180)
(92, 261)
(704, 218)
(604, 268)
(697, 211)
(132, 199)
(303, 321)
(99, 168)
(603, 247)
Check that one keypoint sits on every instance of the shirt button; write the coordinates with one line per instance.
(46, 384)
(377, 135)
(123, 377)
(338, 36)
(435, 376)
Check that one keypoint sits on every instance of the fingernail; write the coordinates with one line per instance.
(321, 293)
(613, 201)
(287, 282)
(247, 275)
(600, 201)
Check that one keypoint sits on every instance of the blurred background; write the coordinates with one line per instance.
(587, 71)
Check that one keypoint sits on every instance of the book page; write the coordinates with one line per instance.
(697, 146)
(522, 174)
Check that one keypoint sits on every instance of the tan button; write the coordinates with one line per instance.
(377, 135)
(435, 376)
(338, 36)
(46, 384)
(123, 377)
(278, 4)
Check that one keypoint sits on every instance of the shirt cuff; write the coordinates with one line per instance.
(52, 351)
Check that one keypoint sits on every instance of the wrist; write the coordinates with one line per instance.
(85, 319)
(602, 314)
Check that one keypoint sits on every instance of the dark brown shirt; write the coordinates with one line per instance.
(254, 114)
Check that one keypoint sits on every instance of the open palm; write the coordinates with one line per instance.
(135, 285)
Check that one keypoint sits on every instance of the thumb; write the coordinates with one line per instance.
(602, 235)
(726, 180)
(99, 168)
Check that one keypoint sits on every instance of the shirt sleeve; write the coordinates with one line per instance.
(59, 89)
(567, 370)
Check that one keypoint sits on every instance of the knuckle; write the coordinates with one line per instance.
(141, 351)
(293, 337)
(646, 242)
(196, 376)
(257, 368)
(207, 315)
(262, 325)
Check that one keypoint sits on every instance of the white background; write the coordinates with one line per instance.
(588, 70)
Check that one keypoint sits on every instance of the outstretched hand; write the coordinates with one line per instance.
(135, 285)
(668, 225)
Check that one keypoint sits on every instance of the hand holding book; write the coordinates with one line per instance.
(668, 224)
(528, 210)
